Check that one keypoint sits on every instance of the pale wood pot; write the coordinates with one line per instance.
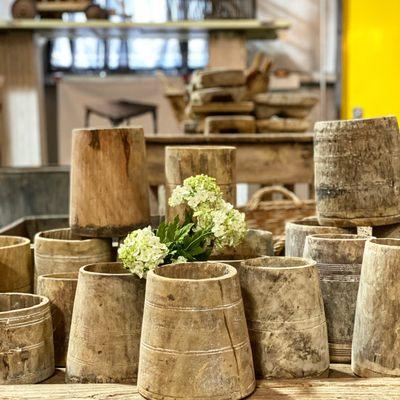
(195, 343)
(60, 290)
(59, 250)
(26, 339)
(297, 231)
(285, 317)
(256, 243)
(357, 172)
(106, 324)
(376, 344)
(338, 258)
(182, 162)
(15, 264)
(109, 185)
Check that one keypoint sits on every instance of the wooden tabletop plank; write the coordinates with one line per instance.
(341, 385)
(228, 138)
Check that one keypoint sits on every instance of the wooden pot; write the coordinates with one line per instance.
(297, 231)
(376, 345)
(15, 264)
(285, 317)
(357, 172)
(106, 324)
(60, 250)
(26, 339)
(194, 343)
(257, 243)
(338, 258)
(60, 290)
(182, 162)
(109, 187)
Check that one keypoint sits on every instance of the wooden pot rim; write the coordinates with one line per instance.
(16, 241)
(201, 147)
(111, 268)
(42, 302)
(40, 236)
(277, 263)
(392, 243)
(223, 271)
(59, 276)
(351, 123)
(106, 131)
(336, 237)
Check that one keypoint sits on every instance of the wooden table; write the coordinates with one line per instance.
(340, 385)
(262, 158)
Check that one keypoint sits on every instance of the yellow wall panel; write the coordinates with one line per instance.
(371, 57)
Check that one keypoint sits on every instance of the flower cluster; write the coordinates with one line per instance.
(142, 251)
(204, 197)
(211, 222)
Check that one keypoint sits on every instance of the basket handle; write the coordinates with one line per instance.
(257, 197)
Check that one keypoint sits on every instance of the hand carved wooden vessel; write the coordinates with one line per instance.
(376, 344)
(357, 172)
(26, 339)
(338, 258)
(285, 317)
(195, 343)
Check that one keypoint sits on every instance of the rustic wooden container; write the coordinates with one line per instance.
(195, 343)
(285, 317)
(357, 172)
(109, 186)
(257, 243)
(60, 250)
(60, 290)
(26, 339)
(182, 162)
(297, 231)
(106, 324)
(338, 258)
(376, 345)
(15, 264)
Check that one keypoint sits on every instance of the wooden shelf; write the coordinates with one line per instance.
(251, 28)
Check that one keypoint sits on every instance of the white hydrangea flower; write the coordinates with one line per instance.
(179, 260)
(142, 251)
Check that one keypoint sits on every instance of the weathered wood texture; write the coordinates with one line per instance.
(277, 158)
(26, 339)
(230, 124)
(216, 77)
(109, 187)
(42, 190)
(60, 289)
(218, 94)
(357, 172)
(276, 124)
(257, 243)
(209, 345)
(376, 345)
(341, 386)
(60, 250)
(288, 105)
(338, 258)
(287, 329)
(182, 162)
(106, 325)
(297, 231)
(15, 264)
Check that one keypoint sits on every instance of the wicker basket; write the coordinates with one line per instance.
(272, 215)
